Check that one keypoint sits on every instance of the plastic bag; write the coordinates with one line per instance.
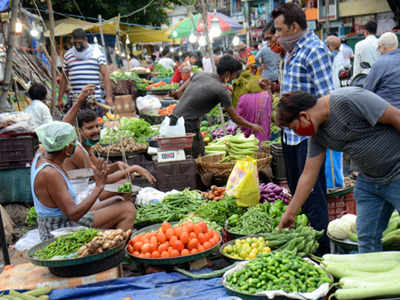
(334, 169)
(148, 105)
(149, 195)
(167, 130)
(243, 183)
(28, 240)
(21, 122)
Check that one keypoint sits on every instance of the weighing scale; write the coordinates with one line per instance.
(171, 155)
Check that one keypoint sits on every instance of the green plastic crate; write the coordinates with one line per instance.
(15, 186)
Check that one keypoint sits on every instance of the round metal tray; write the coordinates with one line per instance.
(113, 188)
(70, 261)
(174, 260)
(346, 244)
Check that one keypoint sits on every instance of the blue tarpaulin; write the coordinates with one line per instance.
(157, 286)
(4, 4)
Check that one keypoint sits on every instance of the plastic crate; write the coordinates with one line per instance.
(340, 203)
(17, 152)
(176, 175)
(175, 143)
(15, 186)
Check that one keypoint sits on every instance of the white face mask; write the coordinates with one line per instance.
(85, 54)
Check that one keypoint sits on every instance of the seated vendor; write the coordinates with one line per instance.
(54, 198)
(38, 108)
(186, 73)
(89, 133)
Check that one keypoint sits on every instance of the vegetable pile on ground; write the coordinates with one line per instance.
(134, 128)
(103, 241)
(168, 241)
(172, 208)
(163, 72)
(258, 219)
(31, 217)
(345, 227)
(125, 188)
(128, 145)
(302, 241)
(219, 211)
(271, 192)
(66, 245)
(39, 294)
(280, 270)
(246, 248)
(166, 111)
(216, 193)
(369, 275)
(239, 147)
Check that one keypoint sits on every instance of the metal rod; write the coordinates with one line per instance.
(102, 37)
(4, 105)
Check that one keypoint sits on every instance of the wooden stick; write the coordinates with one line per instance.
(53, 57)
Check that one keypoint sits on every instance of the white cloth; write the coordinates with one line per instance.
(134, 63)
(167, 63)
(207, 65)
(341, 60)
(348, 53)
(365, 51)
(40, 113)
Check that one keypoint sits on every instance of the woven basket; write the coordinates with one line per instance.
(211, 164)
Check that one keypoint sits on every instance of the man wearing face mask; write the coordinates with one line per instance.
(339, 58)
(89, 132)
(203, 93)
(83, 65)
(53, 195)
(308, 67)
(362, 125)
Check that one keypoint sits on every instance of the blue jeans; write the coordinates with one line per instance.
(375, 205)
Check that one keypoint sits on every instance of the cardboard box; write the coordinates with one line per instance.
(125, 105)
(29, 276)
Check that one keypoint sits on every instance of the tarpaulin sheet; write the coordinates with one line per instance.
(157, 286)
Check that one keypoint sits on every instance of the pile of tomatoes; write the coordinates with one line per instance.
(168, 241)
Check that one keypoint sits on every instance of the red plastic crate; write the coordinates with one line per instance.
(175, 143)
(341, 203)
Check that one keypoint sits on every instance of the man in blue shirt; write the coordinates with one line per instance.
(269, 59)
(384, 77)
(308, 67)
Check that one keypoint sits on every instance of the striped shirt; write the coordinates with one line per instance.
(84, 72)
(307, 68)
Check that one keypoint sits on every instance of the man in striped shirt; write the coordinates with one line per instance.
(308, 67)
(83, 65)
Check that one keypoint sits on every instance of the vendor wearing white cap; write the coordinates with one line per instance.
(54, 198)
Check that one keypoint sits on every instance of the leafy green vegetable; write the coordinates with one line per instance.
(31, 217)
(163, 71)
(118, 75)
(219, 211)
(125, 188)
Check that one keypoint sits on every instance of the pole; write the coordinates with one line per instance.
(247, 20)
(327, 17)
(53, 57)
(102, 36)
(4, 105)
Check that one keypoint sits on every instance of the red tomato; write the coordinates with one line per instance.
(213, 241)
(185, 252)
(161, 237)
(192, 235)
(138, 246)
(164, 254)
(207, 245)
(173, 239)
(154, 240)
(184, 237)
(194, 251)
(163, 247)
(147, 255)
(174, 253)
(170, 248)
(201, 248)
(165, 226)
(189, 226)
(155, 254)
(136, 253)
(153, 247)
(202, 237)
(197, 229)
(169, 233)
(178, 245)
(146, 248)
(203, 226)
(193, 243)
(178, 230)
(132, 242)
(130, 248)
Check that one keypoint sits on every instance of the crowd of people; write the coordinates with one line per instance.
(319, 118)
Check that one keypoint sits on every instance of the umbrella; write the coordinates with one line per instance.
(185, 27)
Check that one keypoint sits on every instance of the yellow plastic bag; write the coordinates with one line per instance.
(243, 182)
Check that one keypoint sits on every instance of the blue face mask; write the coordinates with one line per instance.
(335, 52)
(90, 143)
(73, 151)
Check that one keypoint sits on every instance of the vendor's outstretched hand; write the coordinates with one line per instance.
(86, 92)
(258, 128)
(150, 178)
(287, 221)
(100, 172)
